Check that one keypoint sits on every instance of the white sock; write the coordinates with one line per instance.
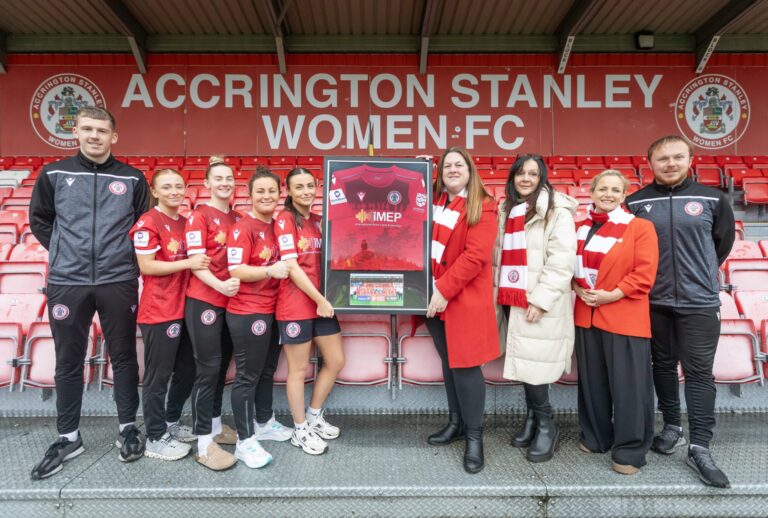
(216, 425)
(300, 426)
(260, 425)
(203, 441)
(312, 413)
(71, 437)
(124, 426)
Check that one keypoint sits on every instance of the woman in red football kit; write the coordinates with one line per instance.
(207, 296)
(303, 314)
(253, 257)
(158, 239)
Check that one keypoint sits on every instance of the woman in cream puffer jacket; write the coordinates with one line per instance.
(539, 341)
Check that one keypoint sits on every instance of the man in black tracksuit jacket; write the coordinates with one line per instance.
(82, 208)
(695, 226)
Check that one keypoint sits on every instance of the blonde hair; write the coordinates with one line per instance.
(476, 193)
(157, 174)
(609, 172)
(215, 161)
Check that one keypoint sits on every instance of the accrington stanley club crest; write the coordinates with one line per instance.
(55, 104)
(712, 111)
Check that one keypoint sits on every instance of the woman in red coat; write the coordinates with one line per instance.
(463, 235)
(616, 263)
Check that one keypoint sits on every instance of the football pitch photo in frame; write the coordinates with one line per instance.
(377, 214)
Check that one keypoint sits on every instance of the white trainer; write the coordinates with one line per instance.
(308, 441)
(273, 430)
(323, 428)
(182, 432)
(166, 448)
(251, 452)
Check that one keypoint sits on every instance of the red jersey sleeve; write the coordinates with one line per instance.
(195, 233)
(285, 232)
(239, 245)
(145, 237)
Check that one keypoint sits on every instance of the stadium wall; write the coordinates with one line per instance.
(196, 104)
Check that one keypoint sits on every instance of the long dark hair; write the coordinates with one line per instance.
(289, 206)
(513, 198)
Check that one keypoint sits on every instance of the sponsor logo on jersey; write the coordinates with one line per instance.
(173, 331)
(191, 218)
(694, 208)
(141, 238)
(234, 255)
(208, 317)
(293, 329)
(236, 233)
(648, 207)
(712, 111)
(421, 199)
(513, 276)
(194, 238)
(54, 106)
(378, 216)
(306, 243)
(167, 227)
(261, 235)
(281, 224)
(221, 238)
(140, 223)
(70, 181)
(217, 221)
(259, 327)
(118, 187)
(286, 242)
(173, 246)
(60, 312)
(361, 195)
(336, 197)
(394, 197)
(266, 253)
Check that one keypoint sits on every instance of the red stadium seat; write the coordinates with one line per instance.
(590, 161)
(585, 175)
(703, 159)
(5, 250)
(724, 160)
(747, 274)
(493, 372)
(27, 237)
(763, 244)
(755, 191)
(709, 174)
(33, 252)
(281, 373)
(570, 378)
(735, 176)
(172, 162)
(561, 174)
(251, 162)
(753, 305)
(503, 163)
(21, 308)
(728, 309)
(23, 277)
(580, 191)
(141, 162)
(737, 354)
(11, 349)
(28, 161)
(753, 160)
(420, 363)
(558, 160)
(368, 353)
(740, 231)
(9, 233)
(39, 361)
(745, 249)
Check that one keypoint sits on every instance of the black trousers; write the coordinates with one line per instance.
(71, 310)
(615, 394)
(168, 358)
(256, 345)
(465, 387)
(688, 337)
(212, 345)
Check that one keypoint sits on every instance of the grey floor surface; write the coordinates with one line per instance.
(382, 466)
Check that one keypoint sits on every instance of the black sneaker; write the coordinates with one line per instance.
(59, 451)
(701, 461)
(668, 440)
(131, 444)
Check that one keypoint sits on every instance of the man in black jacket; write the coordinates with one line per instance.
(82, 208)
(695, 225)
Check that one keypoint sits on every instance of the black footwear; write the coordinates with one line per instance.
(453, 431)
(524, 436)
(59, 452)
(545, 440)
(701, 461)
(668, 440)
(474, 460)
(131, 444)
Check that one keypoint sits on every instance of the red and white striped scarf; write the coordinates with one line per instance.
(513, 277)
(444, 220)
(590, 255)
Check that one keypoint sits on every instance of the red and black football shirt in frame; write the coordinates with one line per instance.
(252, 242)
(377, 219)
(206, 233)
(304, 244)
(162, 297)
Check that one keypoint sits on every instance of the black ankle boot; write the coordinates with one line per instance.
(453, 431)
(524, 436)
(474, 460)
(544, 442)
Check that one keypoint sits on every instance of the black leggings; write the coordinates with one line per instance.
(256, 344)
(167, 357)
(465, 387)
(212, 345)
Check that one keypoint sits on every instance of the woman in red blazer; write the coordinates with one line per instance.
(616, 262)
(461, 315)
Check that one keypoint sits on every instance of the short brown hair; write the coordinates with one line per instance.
(668, 140)
(94, 112)
(608, 172)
